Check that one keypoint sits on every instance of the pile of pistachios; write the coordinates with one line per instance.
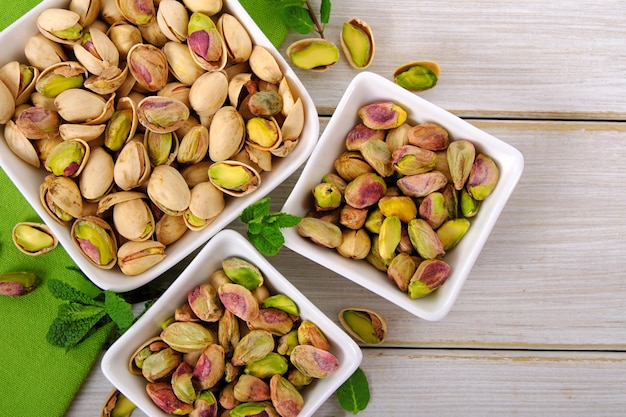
(147, 116)
(401, 196)
(234, 346)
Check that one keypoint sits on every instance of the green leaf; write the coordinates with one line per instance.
(73, 323)
(119, 310)
(66, 292)
(298, 19)
(282, 220)
(255, 210)
(354, 394)
(268, 241)
(255, 226)
(325, 11)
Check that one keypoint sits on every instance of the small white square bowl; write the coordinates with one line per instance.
(366, 88)
(28, 178)
(224, 244)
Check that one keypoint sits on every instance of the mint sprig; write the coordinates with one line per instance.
(82, 314)
(300, 16)
(354, 394)
(264, 227)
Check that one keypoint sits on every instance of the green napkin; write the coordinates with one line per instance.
(263, 12)
(38, 379)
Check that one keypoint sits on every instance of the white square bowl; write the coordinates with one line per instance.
(224, 244)
(28, 178)
(366, 88)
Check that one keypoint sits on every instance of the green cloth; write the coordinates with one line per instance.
(264, 14)
(12, 9)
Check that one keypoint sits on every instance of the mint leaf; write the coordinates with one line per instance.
(73, 323)
(325, 11)
(66, 292)
(354, 394)
(298, 19)
(255, 226)
(119, 310)
(255, 210)
(282, 220)
(268, 241)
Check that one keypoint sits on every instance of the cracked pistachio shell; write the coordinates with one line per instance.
(162, 147)
(255, 345)
(122, 125)
(168, 190)
(135, 257)
(172, 18)
(242, 272)
(42, 52)
(365, 325)
(350, 165)
(196, 173)
(205, 43)
(402, 207)
(236, 38)
(411, 159)
(95, 239)
(355, 244)
(138, 12)
(382, 115)
(429, 275)
(164, 397)
(208, 7)
(206, 203)
(152, 34)
(38, 122)
(420, 185)
(17, 283)
(377, 154)
(33, 238)
(19, 79)
(60, 25)
(272, 320)
(313, 54)
(320, 232)
(313, 361)
(61, 198)
(194, 145)
(187, 336)
(417, 76)
(133, 219)
(7, 103)
(60, 77)
(208, 93)
(181, 63)
(76, 105)
(433, 209)
(148, 65)
(483, 177)
(162, 114)
(424, 239)
(460, 155)
(251, 389)
(263, 133)
(239, 87)
(294, 122)
(234, 178)
(429, 136)
(209, 368)
(451, 232)
(365, 190)
(96, 178)
(264, 65)
(361, 134)
(96, 51)
(117, 405)
(68, 158)
(226, 134)
(20, 145)
(204, 302)
(132, 166)
(389, 237)
(285, 397)
(238, 300)
(88, 133)
(401, 269)
(357, 42)
(111, 80)
(170, 228)
(124, 36)
(88, 10)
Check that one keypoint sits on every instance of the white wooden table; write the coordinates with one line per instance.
(539, 327)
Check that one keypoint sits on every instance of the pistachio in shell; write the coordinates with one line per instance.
(132, 166)
(236, 38)
(234, 178)
(61, 198)
(20, 79)
(42, 52)
(20, 145)
(135, 257)
(316, 55)
(95, 239)
(33, 238)
(60, 25)
(226, 134)
(139, 12)
(364, 324)
(264, 65)
(417, 75)
(357, 42)
(117, 405)
(206, 203)
(96, 52)
(162, 114)
(148, 66)
(168, 190)
(172, 18)
(205, 42)
(7, 108)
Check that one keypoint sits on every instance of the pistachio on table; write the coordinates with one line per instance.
(244, 370)
(33, 238)
(17, 283)
(110, 93)
(401, 197)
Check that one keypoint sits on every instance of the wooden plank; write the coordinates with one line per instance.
(426, 382)
(532, 59)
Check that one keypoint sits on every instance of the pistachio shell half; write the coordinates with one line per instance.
(33, 238)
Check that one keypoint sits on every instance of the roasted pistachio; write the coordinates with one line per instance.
(377, 154)
(403, 207)
(163, 396)
(468, 205)
(187, 336)
(33, 238)
(313, 54)
(429, 136)
(234, 178)
(313, 361)
(272, 364)
(401, 269)
(17, 283)
(360, 134)
(281, 302)
(451, 232)
(420, 185)
(430, 275)
(365, 325)
(204, 302)
(94, 238)
(417, 76)
(357, 41)
(483, 177)
(365, 190)
(253, 346)
(382, 115)
(242, 272)
(424, 239)
(286, 398)
(209, 368)
(355, 244)
(433, 209)
(205, 42)
(460, 155)
(389, 237)
(238, 300)
(320, 231)
(411, 159)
